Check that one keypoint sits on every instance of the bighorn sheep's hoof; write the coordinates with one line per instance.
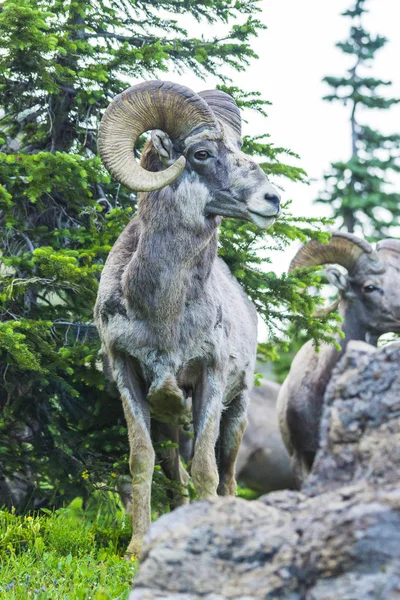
(184, 475)
(227, 488)
(134, 549)
(182, 500)
(167, 403)
(130, 558)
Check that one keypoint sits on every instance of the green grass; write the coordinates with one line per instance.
(70, 554)
(74, 553)
(247, 493)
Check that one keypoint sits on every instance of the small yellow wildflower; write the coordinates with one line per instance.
(113, 475)
(85, 475)
(133, 558)
(29, 518)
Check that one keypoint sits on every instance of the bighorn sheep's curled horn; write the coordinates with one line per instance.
(225, 108)
(173, 108)
(389, 244)
(324, 311)
(343, 249)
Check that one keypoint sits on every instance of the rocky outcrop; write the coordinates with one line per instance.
(360, 427)
(338, 539)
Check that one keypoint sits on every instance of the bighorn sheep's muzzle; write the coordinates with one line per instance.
(264, 206)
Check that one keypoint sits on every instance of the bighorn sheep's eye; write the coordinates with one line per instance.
(370, 288)
(201, 155)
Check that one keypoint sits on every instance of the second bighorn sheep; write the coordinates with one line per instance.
(369, 303)
(173, 321)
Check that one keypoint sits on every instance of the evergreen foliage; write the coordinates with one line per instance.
(359, 189)
(61, 62)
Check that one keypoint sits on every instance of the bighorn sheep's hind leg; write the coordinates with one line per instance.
(207, 404)
(142, 455)
(301, 467)
(233, 424)
(170, 460)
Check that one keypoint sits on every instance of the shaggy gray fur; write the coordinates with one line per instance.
(174, 322)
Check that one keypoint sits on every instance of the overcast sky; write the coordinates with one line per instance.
(296, 52)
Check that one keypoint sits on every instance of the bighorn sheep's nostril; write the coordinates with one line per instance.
(274, 198)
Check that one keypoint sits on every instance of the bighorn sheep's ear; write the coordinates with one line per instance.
(336, 278)
(162, 143)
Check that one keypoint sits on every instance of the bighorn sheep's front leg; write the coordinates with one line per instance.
(233, 424)
(207, 406)
(142, 456)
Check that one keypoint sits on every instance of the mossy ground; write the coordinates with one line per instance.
(65, 555)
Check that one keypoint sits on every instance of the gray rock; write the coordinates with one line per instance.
(338, 539)
(263, 463)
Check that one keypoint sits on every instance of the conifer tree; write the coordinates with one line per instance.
(359, 188)
(61, 62)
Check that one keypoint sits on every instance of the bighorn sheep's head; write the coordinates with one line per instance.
(372, 280)
(194, 134)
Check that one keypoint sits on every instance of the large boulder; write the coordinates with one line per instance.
(338, 539)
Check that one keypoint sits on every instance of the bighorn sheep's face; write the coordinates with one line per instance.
(195, 134)
(372, 282)
(237, 187)
(377, 295)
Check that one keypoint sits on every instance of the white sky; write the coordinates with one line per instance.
(295, 53)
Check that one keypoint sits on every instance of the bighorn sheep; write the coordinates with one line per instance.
(173, 321)
(369, 303)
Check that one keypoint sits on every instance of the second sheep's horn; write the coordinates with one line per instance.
(388, 245)
(343, 249)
